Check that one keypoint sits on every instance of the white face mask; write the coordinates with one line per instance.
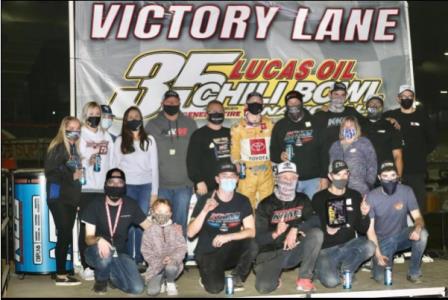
(106, 123)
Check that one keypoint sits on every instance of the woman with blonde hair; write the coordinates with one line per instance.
(63, 171)
(359, 154)
(96, 148)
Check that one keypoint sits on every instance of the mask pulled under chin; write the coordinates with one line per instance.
(285, 191)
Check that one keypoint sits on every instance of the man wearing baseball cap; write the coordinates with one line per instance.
(298, 131)
(223, 220)
(419, 140)
(344, 220)
(329, 121)
(251, 138)
(172, 131)
(107, 224)
(390, 204)
(287, 233)
(386, 140)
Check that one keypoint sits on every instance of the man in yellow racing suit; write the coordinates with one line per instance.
(250, 139)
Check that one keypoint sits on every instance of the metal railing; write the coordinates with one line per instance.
(6, 225)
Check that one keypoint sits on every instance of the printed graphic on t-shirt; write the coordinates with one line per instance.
(98, 147)
(181, 132)
(334, 122)
(298, 137)
(336, 212)
(222, 147)
(224, 221)
(398, 205)
(289, 214)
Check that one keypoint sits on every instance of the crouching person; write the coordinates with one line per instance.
(107, 223)
(344, 217)
(163, 248)
(224, 223)
(288, 233)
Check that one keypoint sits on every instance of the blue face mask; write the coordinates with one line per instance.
(228, 184)
(72, 135)
(349, 133)
(106, 123)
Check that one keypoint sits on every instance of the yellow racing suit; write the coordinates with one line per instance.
(250, 145)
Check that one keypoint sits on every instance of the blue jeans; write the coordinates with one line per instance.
(309, 187)
(142, 194)
(121, 270)
(334, 260)
(397, 243)
(179, 199)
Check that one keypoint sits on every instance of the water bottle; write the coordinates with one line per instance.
(83, 179)
(290, 151)
(388, 275)
(347, 279)
(229, 285)
(242, 170)
(97, 165)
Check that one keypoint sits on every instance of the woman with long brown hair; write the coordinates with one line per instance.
(63, 170)
(135, 152)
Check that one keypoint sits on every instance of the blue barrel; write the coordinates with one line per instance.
(34, 230)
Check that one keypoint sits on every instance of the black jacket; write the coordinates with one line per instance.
(60, 183)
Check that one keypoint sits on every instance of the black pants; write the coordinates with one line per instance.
(64, 218)
(417, 183)
(86, 199)
(236, 254)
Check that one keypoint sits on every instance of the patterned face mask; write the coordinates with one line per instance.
(349, 133)
(161, 219)
(286, 190)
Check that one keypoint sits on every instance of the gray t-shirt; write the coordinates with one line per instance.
(390, 212)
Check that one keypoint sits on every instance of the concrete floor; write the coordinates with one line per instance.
(434, 275)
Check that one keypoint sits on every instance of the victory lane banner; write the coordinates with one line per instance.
(131, 53)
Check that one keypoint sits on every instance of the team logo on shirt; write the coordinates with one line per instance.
(258, 146)
(287, 215)
(398, 205)
(224, 221)
(101, 146)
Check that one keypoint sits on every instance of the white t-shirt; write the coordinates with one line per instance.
(92, 143)
(140, 167)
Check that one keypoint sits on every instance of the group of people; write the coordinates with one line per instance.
(326, 191)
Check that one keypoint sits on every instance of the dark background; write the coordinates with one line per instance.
(35, 64)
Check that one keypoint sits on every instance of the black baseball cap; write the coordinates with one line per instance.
(170, 93)
(336, 166)
(293, 94)
(226, 166)
(105, 109)
(387, 165)
(339, 86)
(378, 97)
(110, 174)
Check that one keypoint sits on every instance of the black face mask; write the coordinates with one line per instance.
(115, 193)
(255, 108)
(216, 118)
(134, 125)
(389, 187)
(93, 121)
(406, 103)
(374, 113)
(171, 109)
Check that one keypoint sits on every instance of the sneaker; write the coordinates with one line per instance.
(66, 281)
(305, 285)
(171, 289)
(399, 259)
(414, 279)
(427, 259)
(88, 274)
(100, 287)
(367, 266)
(238, 285)
(78, 269)
(163, 288)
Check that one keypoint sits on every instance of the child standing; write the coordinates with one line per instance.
(163, 248)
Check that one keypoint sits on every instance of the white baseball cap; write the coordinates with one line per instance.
(286, 166)
(406, 87)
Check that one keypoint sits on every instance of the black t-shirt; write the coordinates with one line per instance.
(206, 148)
(384, 137)
(419, 139)
(329, 124)
(271, 211)
(227, 217)
(355, 221)
(304, 135)
(131, 213)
